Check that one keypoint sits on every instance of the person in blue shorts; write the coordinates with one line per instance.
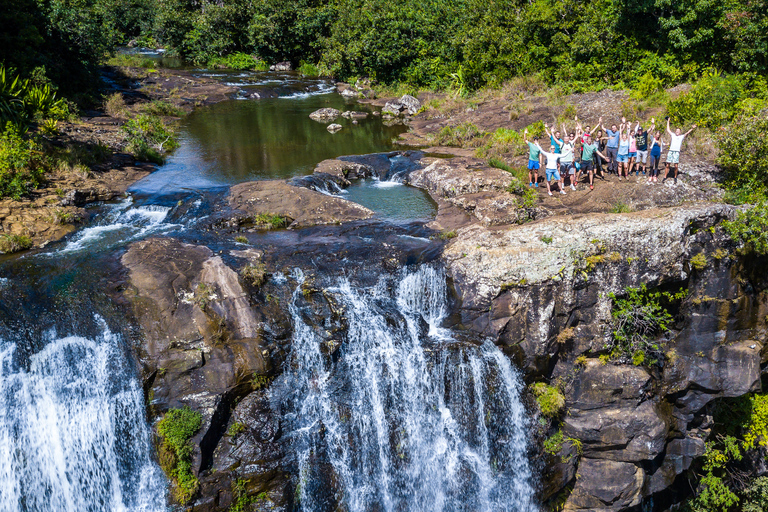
(552, 173)
(623, 154)
(534, 152)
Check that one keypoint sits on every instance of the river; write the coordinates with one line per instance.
(408, 418)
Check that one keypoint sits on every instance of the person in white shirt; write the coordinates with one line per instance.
(673, 155)
(552, 172)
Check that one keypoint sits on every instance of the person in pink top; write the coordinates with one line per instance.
(632, 149)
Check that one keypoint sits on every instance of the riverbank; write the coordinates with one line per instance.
(91, 159)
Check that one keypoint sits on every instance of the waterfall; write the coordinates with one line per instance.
(404, 417)
(73, 436)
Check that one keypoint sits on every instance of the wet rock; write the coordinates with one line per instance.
(352, 114)
(344, 169)
(333, 128)
(300, 206)
(281, 66)
(203, 348)
(322, 182)
(325, 114)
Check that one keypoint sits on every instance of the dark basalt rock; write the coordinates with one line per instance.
(640, 429)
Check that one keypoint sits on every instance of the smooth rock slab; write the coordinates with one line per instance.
(333, 128)
(301, 206)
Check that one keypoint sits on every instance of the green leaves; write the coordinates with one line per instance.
(640, 317)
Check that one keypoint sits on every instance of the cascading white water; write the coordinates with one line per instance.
(73, 437)
(406, 418)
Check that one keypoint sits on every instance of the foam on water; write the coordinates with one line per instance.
(122, 224)
(73, 436)
(405, 418)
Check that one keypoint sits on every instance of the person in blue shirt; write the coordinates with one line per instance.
(554, 138)
(612, 146)
(534, 153)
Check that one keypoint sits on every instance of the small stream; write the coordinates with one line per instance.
(73, 432)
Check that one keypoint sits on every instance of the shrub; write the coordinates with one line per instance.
(550, 400)
(148, 138)
(750, 229)
(554, 443)
(503, 141)
(239, 61)
(743, 158)
(307, 69)
(447, 235)
(255, 275)
(236, 428)
(21, 169)
(638, 319)
(14, 243)
(756, 496)
(162, 108)
(716, 99)
(566, 335)
(620, 207)
(176, 429)
(462, 135)
(114, 105)
(270, 221)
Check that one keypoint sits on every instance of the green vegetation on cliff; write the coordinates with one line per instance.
(176, 429)
(740, 428)
(640, 317)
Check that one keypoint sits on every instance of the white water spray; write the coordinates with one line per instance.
(406, 418)
(73, 437)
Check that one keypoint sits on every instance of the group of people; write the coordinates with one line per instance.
(619, 150)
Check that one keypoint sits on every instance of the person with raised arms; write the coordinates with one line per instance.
(657, 146)
(588, 151)
(552, 172)
(673, 155)
(612, 145)
(623, 153)
(534, 153)
(554, 138)
(641, 141)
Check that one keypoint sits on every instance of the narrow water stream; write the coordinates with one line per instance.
(407, 419)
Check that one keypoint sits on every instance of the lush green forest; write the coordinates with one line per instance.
(432, 43)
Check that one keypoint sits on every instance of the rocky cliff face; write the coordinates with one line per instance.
(638, 427)
(205, 348)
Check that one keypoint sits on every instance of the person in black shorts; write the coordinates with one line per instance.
(587, 165)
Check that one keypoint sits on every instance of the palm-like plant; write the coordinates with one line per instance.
(11, 92)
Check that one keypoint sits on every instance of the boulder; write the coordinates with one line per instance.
(350, 93)
(410, 104)
(344, 169)
(281, 66)
(325, 114)
(609, 413)
(352, 114)
(392, 108)
(606, 485)
(299, 206)
(333, 128)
